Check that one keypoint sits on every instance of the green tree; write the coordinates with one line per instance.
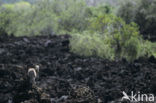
(146, 18)
(143, 13)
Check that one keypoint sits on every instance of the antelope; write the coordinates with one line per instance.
(33, 73)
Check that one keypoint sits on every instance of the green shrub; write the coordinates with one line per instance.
(148, 49)
(6, 17)
(131, 49)
(114, 39)
(154, 49)
(23, 18)
(44, 17)
(9, 16)
(73, 16)
(37, 22)
(88, 44)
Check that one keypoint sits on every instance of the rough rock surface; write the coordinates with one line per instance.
(66, 77)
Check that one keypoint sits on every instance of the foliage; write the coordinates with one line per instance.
(95, 30)
(146, 17)
(98, 10)
(88, 44)
(9, 14)
(154, 49)
(143, 13)
(148, 49)
(48, 16)
(104, 23)
(33, 20)
(115, 39)
(44, 17)
(131, 49)
(128, 11)
(6, 17)
(72, 15)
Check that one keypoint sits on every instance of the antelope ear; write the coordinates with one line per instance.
(37, 66)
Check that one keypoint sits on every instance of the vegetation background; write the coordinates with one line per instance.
(109, 29)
